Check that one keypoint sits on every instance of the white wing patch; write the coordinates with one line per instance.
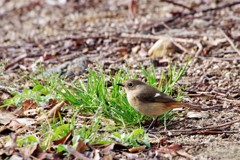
(157, 95)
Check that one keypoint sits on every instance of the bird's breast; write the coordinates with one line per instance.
(149, 109)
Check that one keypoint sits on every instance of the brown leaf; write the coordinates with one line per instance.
(10, 146)
(136, 149)
(14, 124)
(175, 147)
(25, 121)
(29, 151)
(76, 154)
(163, 47)
(133, 7)
(64, 140)
(123, 51)
(43, 156)
(6, 117)
(4, 130)
(183, 153)
(53, 112)
(171, 149)
(52, 103)
(107, 149)
(29, 104)
(112, 147)
(81, 147)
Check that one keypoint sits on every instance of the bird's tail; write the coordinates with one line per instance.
(179, 105)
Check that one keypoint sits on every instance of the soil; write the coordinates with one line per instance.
(113, 34)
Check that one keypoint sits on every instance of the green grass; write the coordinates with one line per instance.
(93, 96)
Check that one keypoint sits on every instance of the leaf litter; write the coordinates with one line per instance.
(56, 36)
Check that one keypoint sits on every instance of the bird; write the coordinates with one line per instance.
(149, 100)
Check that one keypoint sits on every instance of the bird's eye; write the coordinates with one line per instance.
(130, 84)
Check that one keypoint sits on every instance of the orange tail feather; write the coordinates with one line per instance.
(179, 105)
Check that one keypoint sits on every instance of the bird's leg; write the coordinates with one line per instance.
(152, 124)
(165, 122)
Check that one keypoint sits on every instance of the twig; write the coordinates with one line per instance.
(214, 129)
(200, 48)
(209, 94)
(7, 89)
(220, 59)
(153, 37)
(158, 26)
(230, 41)
(178, 4)
(16, 60)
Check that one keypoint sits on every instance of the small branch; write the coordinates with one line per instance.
(16, 60)
(209, 94)
(199, 51)
(230, 41)
(177, 17)
(214, 129)
(152, 37)
(178, 4)
(8, 89)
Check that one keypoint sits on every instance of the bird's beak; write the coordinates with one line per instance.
(120, 84)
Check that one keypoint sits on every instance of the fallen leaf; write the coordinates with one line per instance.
(96, 153)
(76, 154)
(44, 156)
(28, 151)
(10, 145)
(52, 103)
(4, 130)
(81, 147)
(131, 155)
(26, 121)
(14, 124)
(113, 147)
(6, 117)
(64, 140)
(29, 104)
(53, 112)
(133, 7)
(163, 47)
(183, 153)
(31, 112)
(197, 115)
(171, 149)
(136, 49)
(136, 149)
(123, 51)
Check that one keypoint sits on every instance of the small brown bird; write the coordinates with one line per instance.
(149, 100)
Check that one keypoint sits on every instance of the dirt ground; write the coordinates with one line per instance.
(117, 34)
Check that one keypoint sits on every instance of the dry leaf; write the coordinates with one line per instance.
(29, 104)
(6, 117)
(171, 149)
(81, 147)
(26, 121)
(53, 112)
(76, 154)
(197, 115)
(14, 124)
(63, 140)
(133, 7)
(183, 153)
(4, 130)
(136, 149)
(163, 47)
(28, 151)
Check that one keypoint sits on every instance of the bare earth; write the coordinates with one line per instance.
(108, 33)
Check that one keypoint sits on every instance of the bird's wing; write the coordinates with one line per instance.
(154, 95)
